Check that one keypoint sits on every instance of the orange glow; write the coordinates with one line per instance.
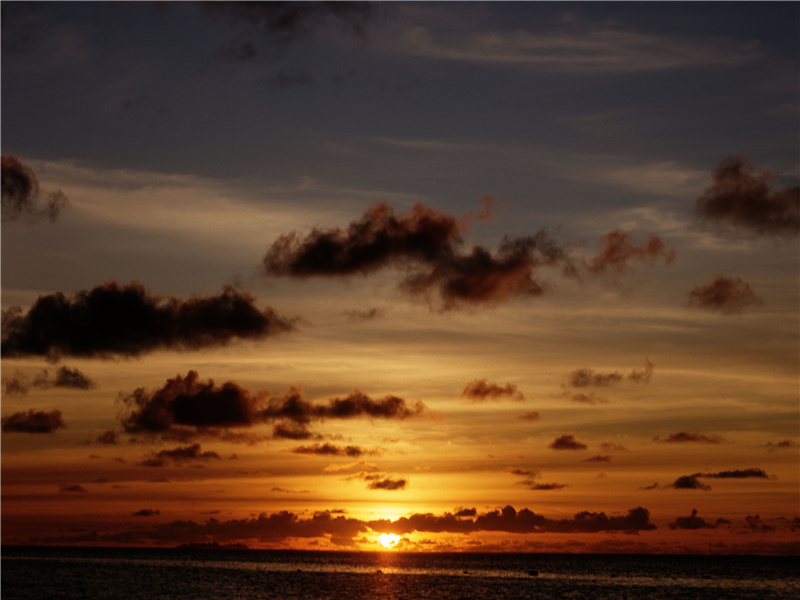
(388, 540)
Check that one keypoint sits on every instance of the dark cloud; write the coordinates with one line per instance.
(291, 431)
(179, 455)
(19, 384)
(644, 375)
(566, 442)
(387, 483)
(537, 485)
(616, 250)
(480, 390)
(108, 437)
(466, 512)
(588, 398)
(588, 377)
(343, 531)
(327, 449)
(293, 407)
(684, 437)
(188, 402)
(772, 446)
(72, 489)
(524, 521)
(689, 482)
(741, 197)
(287, 22)
(428, 243)
(127, 321)
(724, 294)
(691, 522)
(585, 377)
(147, 512)
(529, 416)
(20, 193)
(33, 421)
(600, 458)
(738, 474)
(755, 523)
(530, 481)
(692, 482)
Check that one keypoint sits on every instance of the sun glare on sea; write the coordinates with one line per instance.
(389, 540)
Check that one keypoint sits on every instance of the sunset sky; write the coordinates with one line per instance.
(483, 276)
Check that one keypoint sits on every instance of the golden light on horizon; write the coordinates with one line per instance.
(388, 540)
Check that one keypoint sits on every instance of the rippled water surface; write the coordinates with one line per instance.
(88, 573)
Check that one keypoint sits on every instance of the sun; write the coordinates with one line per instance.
(389, 540)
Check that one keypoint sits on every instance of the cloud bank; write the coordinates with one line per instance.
(125, 320)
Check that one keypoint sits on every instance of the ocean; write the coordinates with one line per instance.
(33, 573)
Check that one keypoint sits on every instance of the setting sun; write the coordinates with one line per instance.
(389, 540)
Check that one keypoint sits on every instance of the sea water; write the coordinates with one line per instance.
(33, 573)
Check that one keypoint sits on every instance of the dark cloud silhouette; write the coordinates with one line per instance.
(480, 390)
(179, 455)
(108, 437)
(327, 449)
(291, 431)
(755, 523)
(19, 384)
(692, 482)
(585, 377)
(387, 483)
(566, 442)
(293, 407)
(689, 482)
(684, 437)
(343, 531)
(72, 489)
(428, 243)
(772, 446)
(20, 193)
(147, 512)
(466, 512)
(588, 377)
(188, 402)
(512, 521)
(127, 321)
(738, 474)
(616, 251)
(600, 458)
(33, 421)
(691, 522)
(588, 398)
(724, 294)
(529, 416)
(741, 197)
(286, 22)
(644, 375)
